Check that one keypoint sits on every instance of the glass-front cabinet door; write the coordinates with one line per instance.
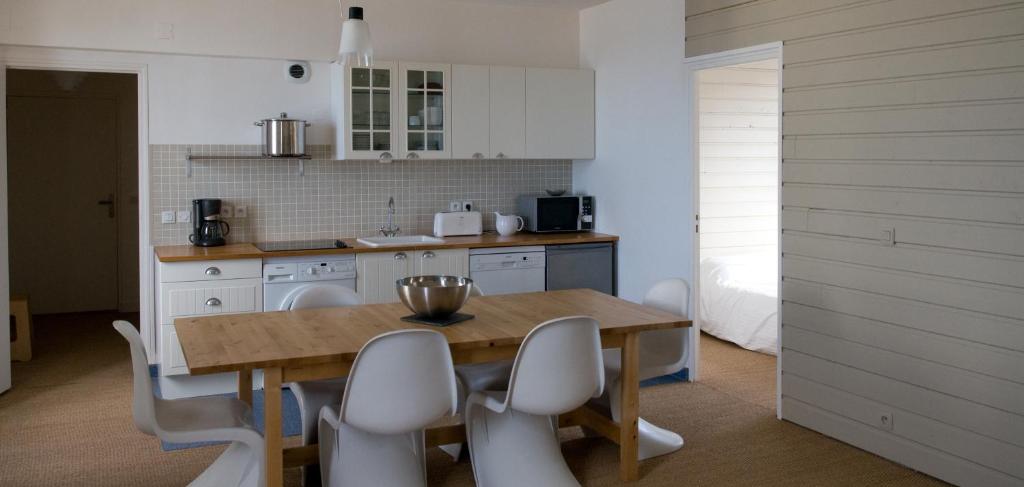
(426, 111)
(371, 128)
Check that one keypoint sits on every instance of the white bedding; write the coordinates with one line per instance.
(739, 299)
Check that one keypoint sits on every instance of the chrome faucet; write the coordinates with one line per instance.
(390, 230)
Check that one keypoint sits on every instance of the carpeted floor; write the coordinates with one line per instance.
(67, 421)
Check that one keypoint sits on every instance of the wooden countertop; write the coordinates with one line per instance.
(225, 343)
(186, 253)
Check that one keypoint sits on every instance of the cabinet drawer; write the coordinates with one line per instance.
(172, 359)
(211, 270)
(181, 299)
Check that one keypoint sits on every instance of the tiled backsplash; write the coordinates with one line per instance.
(335, 198)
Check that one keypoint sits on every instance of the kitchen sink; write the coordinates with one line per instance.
(401, 240)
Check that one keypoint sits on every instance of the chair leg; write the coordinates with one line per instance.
(515, 448)
(238, 466)
(653, 441)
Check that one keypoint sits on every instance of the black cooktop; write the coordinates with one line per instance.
(300, 245)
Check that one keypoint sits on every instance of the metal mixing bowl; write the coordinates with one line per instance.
(434, 296)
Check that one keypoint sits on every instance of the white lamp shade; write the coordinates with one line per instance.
(356, 48)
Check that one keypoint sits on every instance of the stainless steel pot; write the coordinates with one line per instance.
(283, 136)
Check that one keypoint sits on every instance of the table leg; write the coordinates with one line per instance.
(272, 435)
(629, 468)
(245, 386)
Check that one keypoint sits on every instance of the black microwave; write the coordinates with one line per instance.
(557, 213)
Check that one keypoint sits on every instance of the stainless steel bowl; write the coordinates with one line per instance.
(434, 296)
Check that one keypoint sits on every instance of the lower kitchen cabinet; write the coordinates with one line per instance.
(377, 272)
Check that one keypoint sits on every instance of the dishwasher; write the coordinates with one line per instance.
(507, 270)
(578, 266)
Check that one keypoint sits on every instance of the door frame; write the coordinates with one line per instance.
(146, 262)
(693, 66)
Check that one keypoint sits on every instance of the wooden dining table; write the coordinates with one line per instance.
(322, 343)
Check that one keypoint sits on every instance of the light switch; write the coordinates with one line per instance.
(167, 217)
(184, 216)
(241, 211)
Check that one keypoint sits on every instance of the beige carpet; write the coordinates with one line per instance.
(67, 421)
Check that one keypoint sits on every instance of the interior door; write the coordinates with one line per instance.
(62, 178)
(5, 288)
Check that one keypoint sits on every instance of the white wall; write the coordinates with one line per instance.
(642, 176)
(905, 115)
(739, 159)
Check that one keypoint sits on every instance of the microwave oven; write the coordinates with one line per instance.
(557, 213)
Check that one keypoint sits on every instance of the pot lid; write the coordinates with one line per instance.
(284, 117)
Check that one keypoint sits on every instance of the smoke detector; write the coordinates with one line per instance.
(297, 71)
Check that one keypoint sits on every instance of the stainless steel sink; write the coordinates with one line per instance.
(399, 240)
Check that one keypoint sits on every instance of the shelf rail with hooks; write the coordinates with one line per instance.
(192, 157)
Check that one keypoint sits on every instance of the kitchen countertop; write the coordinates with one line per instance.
(186, 253)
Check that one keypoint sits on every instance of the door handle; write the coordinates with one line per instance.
(213, 302)
(429, 255)
(109, 202)
(400, 256)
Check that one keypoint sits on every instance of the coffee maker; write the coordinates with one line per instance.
(208, 230)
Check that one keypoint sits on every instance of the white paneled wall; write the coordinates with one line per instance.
(903, 222)
(739, 159)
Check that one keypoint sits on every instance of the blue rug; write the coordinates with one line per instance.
(291, 425)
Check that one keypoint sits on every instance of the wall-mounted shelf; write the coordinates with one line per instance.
(191, 157)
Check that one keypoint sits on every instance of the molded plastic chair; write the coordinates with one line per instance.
(313, 395)
(513, 435)
(214, 418)
(400, 383)
(662, 352)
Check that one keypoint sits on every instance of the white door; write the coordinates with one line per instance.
(5, 288)
(377, 272)
(559, 113)
(426, 111)
(508, 112)
(67, 146)
(452, 262)
(471, 112)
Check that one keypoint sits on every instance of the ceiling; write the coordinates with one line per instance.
(569, 4)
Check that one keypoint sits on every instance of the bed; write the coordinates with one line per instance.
(739, 299)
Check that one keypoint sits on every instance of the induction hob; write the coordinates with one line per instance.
(300, 245)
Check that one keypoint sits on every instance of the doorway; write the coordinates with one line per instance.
(72, 193)
(737, 137)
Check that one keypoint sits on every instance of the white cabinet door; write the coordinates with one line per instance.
(559, 113)
(471, 112)
(508, 112)
(451, 262)
(364, 104)
(377, 272)
(425, 111)
(173, 362)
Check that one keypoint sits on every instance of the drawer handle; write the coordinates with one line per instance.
(212, 271)
(400, 256)
(429, 255)
(213, 302)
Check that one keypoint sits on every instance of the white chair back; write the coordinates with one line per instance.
(143, 407)
(666, 350)
(558, 367)
(324, 296)
(400, 382)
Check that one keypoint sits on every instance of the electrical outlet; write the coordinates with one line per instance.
(166, 217)
(454, 206)
(241, 211)
(467, 205)
(885, 420)
(227, 211)
(184, 216)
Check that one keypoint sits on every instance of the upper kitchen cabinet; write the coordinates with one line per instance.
(559, 113)
(471, 112)
(508, 112)
(425, 111)
(363, 102)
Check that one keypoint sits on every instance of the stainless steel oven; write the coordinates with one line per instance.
(557, 213)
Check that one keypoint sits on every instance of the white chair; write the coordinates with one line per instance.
(513, 435)
(400, 383)
(214, 418)
(662, 352)
(313, 395)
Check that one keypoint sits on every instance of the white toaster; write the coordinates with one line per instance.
(450, 224)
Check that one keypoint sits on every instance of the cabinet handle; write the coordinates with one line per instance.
(212, 271)
(429, 255)
(412, 155)
(400, 256)
(501, 155)
(478, 156)
(385, 158)
(213, 302)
